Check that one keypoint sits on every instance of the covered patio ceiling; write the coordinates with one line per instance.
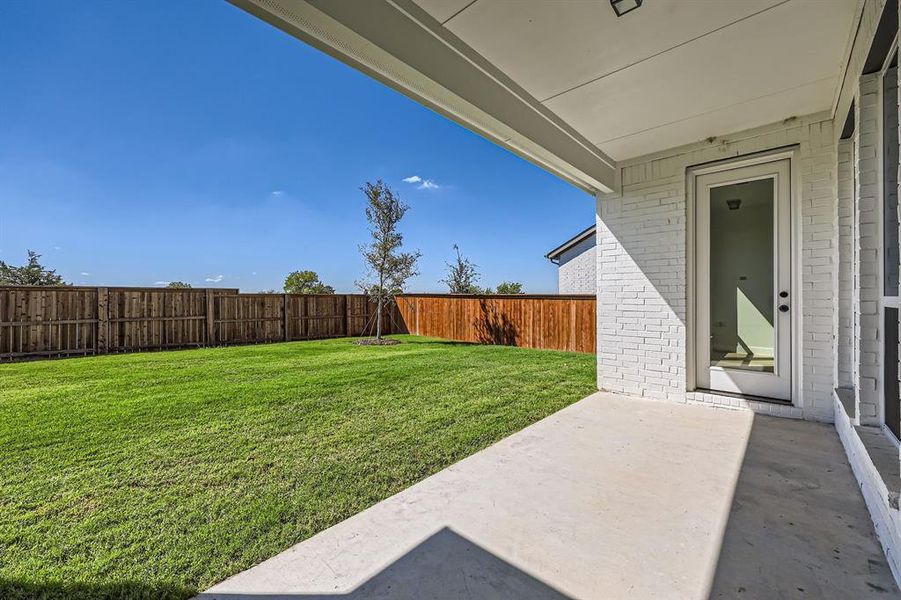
(574, 88)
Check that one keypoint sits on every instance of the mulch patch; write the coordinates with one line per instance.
(375, 342)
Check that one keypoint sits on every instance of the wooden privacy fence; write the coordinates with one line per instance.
(533, 321)
(40, 322)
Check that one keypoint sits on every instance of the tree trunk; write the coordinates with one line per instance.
(378, 320)
(378, 316)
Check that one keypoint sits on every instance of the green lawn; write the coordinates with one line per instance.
(156, 475)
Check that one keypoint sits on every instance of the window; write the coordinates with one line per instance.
(891, 257)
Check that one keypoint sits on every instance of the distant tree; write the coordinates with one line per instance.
(178, 285)
(462, 275)
(387, 268)
(509, 287)
(269, 291)
(306, 282)
(31, 273)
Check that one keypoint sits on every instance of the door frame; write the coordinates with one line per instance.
(789, 153)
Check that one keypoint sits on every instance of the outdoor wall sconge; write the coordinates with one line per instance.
(734, 204)
(622, 7)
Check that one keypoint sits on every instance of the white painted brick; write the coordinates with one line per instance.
(641, 266)
(886, 519)
(577, 269)
(864, 299)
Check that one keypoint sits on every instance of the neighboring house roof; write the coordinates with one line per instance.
(554, 254)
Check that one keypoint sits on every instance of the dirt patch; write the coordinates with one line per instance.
(375, 342)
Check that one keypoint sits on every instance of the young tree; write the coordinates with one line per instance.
(178, 285)
(31, 273)
(388, 269)
(509, 287)
(462, 275)
(306, 282)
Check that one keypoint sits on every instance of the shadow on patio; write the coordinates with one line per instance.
(798, 525)
(611, 497)
(445, 565)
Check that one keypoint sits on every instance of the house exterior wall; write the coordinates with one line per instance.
(868, 194)
(642, 269)
(845, 375)
(877, 484)
(577, 269)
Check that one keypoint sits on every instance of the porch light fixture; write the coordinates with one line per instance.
(734, 204)
(621, 7)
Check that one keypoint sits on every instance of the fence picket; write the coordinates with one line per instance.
(74, 321)
(549, 322)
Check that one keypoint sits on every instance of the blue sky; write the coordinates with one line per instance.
(151, 141)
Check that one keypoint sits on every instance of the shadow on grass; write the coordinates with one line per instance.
(453, 343)
(429, 341)
(121, 590)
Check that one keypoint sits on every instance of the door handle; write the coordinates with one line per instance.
(783, 308)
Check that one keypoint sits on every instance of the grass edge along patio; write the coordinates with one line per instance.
(155, 475)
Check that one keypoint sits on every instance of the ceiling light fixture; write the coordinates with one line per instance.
(622, 7)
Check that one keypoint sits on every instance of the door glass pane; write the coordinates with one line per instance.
(890, 180)
(742, 331)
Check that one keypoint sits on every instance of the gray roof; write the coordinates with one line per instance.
(579, 237)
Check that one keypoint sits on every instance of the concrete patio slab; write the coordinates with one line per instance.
(612, 497)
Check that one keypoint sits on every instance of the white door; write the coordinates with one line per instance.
(743, 276)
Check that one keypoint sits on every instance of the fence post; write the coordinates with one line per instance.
(102, 320)
(210, 319)
(346, 315)
(285, 315)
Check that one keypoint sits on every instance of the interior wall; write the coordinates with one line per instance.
(741, 269)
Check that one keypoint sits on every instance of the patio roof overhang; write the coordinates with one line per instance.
(574, 88)
(401, 45)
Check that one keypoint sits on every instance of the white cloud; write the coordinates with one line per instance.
(424, 184)
(277, 193)
(84, 274)
(161, 283)
(57, 248)
(254, 273)
(215, 279)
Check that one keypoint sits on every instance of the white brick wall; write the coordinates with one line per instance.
(869, 236)
(641, 290)
(577, 269)
(846, 259)
(641, 259)
(886, 519)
